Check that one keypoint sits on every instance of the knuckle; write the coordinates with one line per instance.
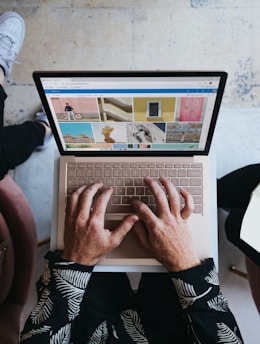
(78, 225)
(94, 221)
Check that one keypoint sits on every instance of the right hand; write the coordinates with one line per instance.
(167, 235)
(86, 240)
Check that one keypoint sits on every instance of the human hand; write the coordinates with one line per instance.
(86, 240)
(166, 235)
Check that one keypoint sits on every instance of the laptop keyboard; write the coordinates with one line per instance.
(126, 178)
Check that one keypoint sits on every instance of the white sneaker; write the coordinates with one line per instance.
(12, 29)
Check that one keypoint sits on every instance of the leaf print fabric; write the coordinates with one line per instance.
(212, 277)
(133, 326)
(43, 309)
(62, 336)
(202, 301)
(219, 303)
(60, 292)
(186, 293)
(71, 285)
(226, 335)
(38, 331)
(100, 334)
(60, 316)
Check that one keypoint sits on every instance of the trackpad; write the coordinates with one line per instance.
(129, 247)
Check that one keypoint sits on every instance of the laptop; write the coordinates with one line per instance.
(119, 126)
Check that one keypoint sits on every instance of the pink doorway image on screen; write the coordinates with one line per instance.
(191, 109)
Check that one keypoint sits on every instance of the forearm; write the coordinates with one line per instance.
(206, 310)
(60, 292)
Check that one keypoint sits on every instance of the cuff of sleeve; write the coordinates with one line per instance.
(199, 276)
(55, 260)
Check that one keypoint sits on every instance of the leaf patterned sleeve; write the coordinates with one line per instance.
(60, 291)
(205, 308)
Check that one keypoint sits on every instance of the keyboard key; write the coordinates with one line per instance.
(184, 182)
(126, 173)
(135, 173)
(116, 199)
(71, 172)
(197, 199)
(172, 173)
(129, 182)
(117, 173)
(194, 173)
(119, 181)
(138, 182)
(139, 191)
(72, 181)
(130, 191)
(108, 173)
(154, 173)
(197, 209)
(80, 172)
(182, 173)
(195, 182)
(194, 190)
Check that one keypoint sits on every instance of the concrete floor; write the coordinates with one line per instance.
(237, 131)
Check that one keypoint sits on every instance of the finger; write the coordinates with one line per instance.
(85, 203)
(189, 204)
(144, 212)
(159, 195)
(173, 196)
(72, 203)
(100, 204)
(141, 232)
(124, 227)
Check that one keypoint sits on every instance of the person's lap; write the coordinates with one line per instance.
(156, 301)
(160, 310)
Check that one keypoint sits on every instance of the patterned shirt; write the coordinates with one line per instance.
(63, 284)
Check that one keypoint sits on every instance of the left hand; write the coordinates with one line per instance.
(86, 240)
(166, 235)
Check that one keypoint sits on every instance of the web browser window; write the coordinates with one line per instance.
(112, 114)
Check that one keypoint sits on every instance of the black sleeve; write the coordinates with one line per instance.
(60, 292)
(206, 309)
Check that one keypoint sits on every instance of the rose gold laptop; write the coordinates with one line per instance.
(119, 126)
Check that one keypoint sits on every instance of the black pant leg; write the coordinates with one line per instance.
(160, 311)
(3, 163)
(3, 97)
(106, 296)
(234, 189)
(19, 141)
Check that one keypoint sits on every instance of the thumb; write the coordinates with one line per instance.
(123, 228)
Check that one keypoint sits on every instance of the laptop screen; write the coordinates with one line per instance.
(120, 112)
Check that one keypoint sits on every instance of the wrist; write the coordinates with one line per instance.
(79, 259)
(176, 265)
